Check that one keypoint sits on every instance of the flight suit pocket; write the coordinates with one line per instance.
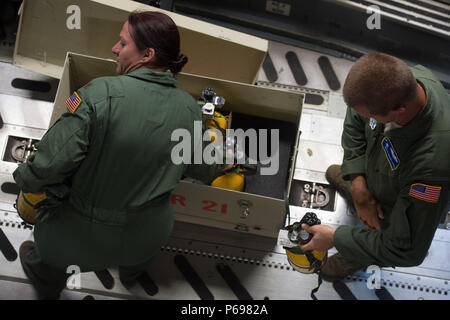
(383, 181)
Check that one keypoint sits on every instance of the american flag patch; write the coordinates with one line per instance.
(73, 102)
(424, 192)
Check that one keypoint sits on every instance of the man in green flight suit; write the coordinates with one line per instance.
(396, 167)
(106, 166)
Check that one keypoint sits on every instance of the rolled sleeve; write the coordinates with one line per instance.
(353, 166)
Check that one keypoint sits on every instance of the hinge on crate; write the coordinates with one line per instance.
(241, 227)
(245, 208)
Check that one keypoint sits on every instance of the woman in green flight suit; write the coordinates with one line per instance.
(107, 163)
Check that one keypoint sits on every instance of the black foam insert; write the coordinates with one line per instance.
(272, 186)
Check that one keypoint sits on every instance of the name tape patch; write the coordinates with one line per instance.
(425, 192)
(73, 102)
(391, 155)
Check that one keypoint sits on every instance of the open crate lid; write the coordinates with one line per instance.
(43, 38)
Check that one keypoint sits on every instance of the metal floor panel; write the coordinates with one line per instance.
(265, 275)
(23, 112)
(309, 61)
(19, 82)
(317, 156)
(321, 128)
(199, 261)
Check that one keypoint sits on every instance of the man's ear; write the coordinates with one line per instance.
(401, 110)
(148, 56)
(400, 113)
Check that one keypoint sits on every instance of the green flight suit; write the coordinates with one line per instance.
(409, 176)
(107, 171)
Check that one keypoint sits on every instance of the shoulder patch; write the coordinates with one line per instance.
(391, 155)
(425, 192)
(373, 123)
(73, 102)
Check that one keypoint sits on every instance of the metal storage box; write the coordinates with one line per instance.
(48, 29)
(261, 208)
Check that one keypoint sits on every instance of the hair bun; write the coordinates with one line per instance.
(179, 63)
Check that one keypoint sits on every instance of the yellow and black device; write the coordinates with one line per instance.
(291, 237)
(234, 178)
(305, 262)
(309, 261)
(29, 204)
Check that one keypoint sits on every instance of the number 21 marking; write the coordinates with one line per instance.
(210, 206)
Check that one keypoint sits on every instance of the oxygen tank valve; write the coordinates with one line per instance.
(208, 94)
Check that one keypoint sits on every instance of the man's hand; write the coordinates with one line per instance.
(367, 207)
(322, 240)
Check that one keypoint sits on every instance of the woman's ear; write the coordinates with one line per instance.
(148, 56)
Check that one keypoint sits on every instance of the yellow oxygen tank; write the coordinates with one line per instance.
(218, 121)
(300, 262)
(232, 180)
(27, 204)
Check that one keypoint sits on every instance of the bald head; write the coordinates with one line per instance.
(379, 83)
